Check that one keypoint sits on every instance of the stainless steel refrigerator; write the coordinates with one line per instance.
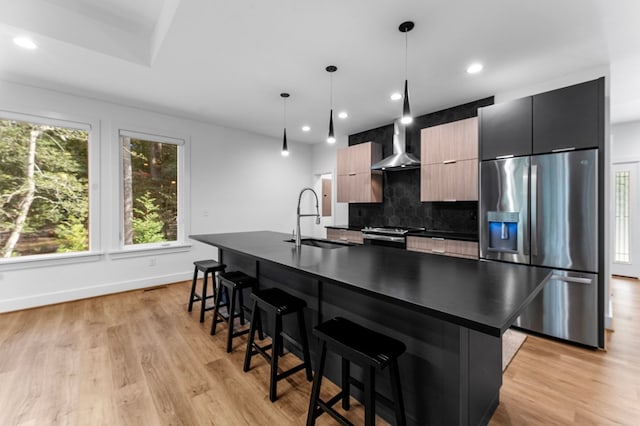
(543, 210)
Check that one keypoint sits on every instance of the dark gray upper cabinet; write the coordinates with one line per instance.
(571, 117)
(505, 129)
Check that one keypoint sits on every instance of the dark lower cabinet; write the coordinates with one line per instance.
(505, 129)
(569, 118)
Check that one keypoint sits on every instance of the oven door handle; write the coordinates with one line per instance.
(383, 238)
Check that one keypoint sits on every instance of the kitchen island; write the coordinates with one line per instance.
(449, 312)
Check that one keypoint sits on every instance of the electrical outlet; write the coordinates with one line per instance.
(205, 213)
(152, 261)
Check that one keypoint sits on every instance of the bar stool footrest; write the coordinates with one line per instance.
(262, 350)
(290, 371)
(379, 397)
(327, 407)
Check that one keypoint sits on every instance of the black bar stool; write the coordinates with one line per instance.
(277, 303)
(234, 283)
(370, 350)
(207, 267)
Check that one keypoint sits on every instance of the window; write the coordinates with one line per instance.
(151, 194)
(622, 201)
(44, 186)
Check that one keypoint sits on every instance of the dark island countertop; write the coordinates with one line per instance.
(484, 296)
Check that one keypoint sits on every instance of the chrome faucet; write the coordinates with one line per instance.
(317, 214)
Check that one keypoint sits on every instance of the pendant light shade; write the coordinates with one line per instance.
(405, 27)
(406, 109)
(285, 148)
(331, 138)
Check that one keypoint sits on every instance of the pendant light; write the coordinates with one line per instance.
(285, 148)
(405, 27)
(331, 69)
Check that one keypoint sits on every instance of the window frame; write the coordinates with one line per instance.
(180, 244)
(92, 127)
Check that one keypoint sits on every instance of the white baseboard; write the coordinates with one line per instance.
(19, 303)
(608, 318)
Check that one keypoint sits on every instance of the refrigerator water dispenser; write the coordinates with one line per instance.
(503, 231)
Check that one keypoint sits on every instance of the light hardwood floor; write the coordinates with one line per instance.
(139, 358)
(552, 383)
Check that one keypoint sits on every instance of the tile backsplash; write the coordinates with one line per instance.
(402, 207)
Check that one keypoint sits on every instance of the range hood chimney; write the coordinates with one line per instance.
(401, 159)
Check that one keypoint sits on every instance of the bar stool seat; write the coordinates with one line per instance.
(370, 350)
(233, 282)
(276, 303)
(207, 267)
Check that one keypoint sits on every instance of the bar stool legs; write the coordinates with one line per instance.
(208, 267)
(370, 350)
(234, 282)
(277, 303)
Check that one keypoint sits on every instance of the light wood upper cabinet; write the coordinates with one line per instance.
(357, 183)
(448, 142)
(358, 158)
(449, 170)
(450, 182)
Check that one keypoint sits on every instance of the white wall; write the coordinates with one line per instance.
(625, 141)
(239, 181)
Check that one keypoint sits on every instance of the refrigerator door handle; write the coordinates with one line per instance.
(571, 279)
(534, 210)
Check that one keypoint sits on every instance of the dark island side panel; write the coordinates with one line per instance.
(402, 205)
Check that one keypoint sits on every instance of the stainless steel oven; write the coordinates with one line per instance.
(388, 237)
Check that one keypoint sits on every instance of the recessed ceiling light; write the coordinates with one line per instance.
(343, 115)
(474, 68)
(396, 96)
(25, 43)
(306, 128)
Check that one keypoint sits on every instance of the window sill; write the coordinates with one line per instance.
(48, 260)
(127, 253)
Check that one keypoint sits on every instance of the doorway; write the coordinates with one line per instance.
(626, 234)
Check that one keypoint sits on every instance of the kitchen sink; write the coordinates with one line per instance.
(326, 244)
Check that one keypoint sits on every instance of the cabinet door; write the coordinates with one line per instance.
(456, 181)
(461, 181)
(466, 249)
(360, 188)
(568, 118)
(505, 129)
(450, 142)
(365, 187)
(354, 237)
(361, 156)
(336, 234)
(426, 244)
(343, 161)
(431, 182)
(343, 189)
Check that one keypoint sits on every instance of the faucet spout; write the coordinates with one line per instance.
(299, 215)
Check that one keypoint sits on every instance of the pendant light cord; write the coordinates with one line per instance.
(331, 90)
(284, 112)
(406, 55)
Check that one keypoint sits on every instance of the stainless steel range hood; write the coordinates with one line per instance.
(401, 159)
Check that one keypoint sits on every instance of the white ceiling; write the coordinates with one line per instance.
(226, 62)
